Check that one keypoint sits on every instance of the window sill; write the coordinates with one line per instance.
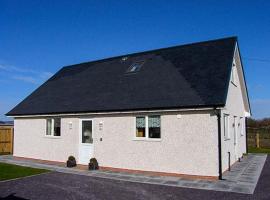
(52, 137)
(147, 139)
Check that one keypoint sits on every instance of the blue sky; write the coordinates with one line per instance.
(38, 37)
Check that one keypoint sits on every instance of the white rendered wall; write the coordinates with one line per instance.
(188, 145)
(235, 106)
(30, 140)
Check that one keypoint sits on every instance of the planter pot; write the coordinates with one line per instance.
(93, 166)
(71, 163)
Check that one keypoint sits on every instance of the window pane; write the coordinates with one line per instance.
(87, 132)
(49, 127)
(154, 126)
(226, 127)
(140, 126)
(135, 66)
(241, 126)
(57, 127)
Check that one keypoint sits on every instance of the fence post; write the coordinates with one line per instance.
(257, 140)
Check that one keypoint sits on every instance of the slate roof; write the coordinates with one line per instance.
(186, 76)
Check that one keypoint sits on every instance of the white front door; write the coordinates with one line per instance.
(86, 146)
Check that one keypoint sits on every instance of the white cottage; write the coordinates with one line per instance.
(179, 110)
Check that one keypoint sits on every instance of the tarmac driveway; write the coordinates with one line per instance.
(57, 185)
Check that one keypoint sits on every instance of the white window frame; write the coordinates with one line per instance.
(146, 129)
(52, 128)
(227, 135)
(235, 129)
(241, 121)
(233, 73)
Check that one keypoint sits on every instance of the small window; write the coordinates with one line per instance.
(226, 127)
(49, 127)
(154, 126)
(233, 74)
(148, 127)
(135, 67)
(53, 127)
(234, 126)
(241, 126)
(87, 133)
(140, 126)
(57, 127)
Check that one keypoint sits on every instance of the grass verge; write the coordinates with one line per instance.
(9, 171)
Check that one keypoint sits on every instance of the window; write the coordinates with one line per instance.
(226, 127)
(53, 127)
(235, 129)
(148, 127)
(233, 74)
(135, 67)
(154, 126)
(140, 126)
(241, 126)
(87, 133)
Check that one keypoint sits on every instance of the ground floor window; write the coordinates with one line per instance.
(226, 127)
(148, 126)
(53, 127)
(241, 126)
(140, 127)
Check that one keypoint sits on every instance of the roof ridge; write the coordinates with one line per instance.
(150, 51)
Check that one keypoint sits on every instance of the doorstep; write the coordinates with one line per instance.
(242, 178)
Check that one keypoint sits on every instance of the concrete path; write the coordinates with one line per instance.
(242, 178)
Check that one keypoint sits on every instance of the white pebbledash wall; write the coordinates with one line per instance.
(188, 144)
(30, 140)
(235, 106)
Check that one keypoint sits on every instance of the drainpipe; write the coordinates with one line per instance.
(246, 135)
(219, 144)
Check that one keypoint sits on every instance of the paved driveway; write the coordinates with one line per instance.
(57, 185)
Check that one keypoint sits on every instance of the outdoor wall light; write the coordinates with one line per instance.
(100, 125)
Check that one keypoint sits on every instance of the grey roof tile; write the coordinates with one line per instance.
(186, 76)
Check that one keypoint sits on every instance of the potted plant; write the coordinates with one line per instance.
(93, 164)
(71, 162)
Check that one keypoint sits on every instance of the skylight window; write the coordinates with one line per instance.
(135, 67)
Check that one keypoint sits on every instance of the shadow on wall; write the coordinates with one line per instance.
(12, 196)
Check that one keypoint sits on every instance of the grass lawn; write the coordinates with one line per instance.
(8, 171)
(258, 150)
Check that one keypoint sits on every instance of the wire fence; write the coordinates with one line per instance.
(258, 137)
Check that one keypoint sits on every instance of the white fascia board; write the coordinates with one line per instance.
(113, 113)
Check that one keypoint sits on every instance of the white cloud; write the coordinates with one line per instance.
(10, 68)
(46, 75)
(28, 79)
(25, 74)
